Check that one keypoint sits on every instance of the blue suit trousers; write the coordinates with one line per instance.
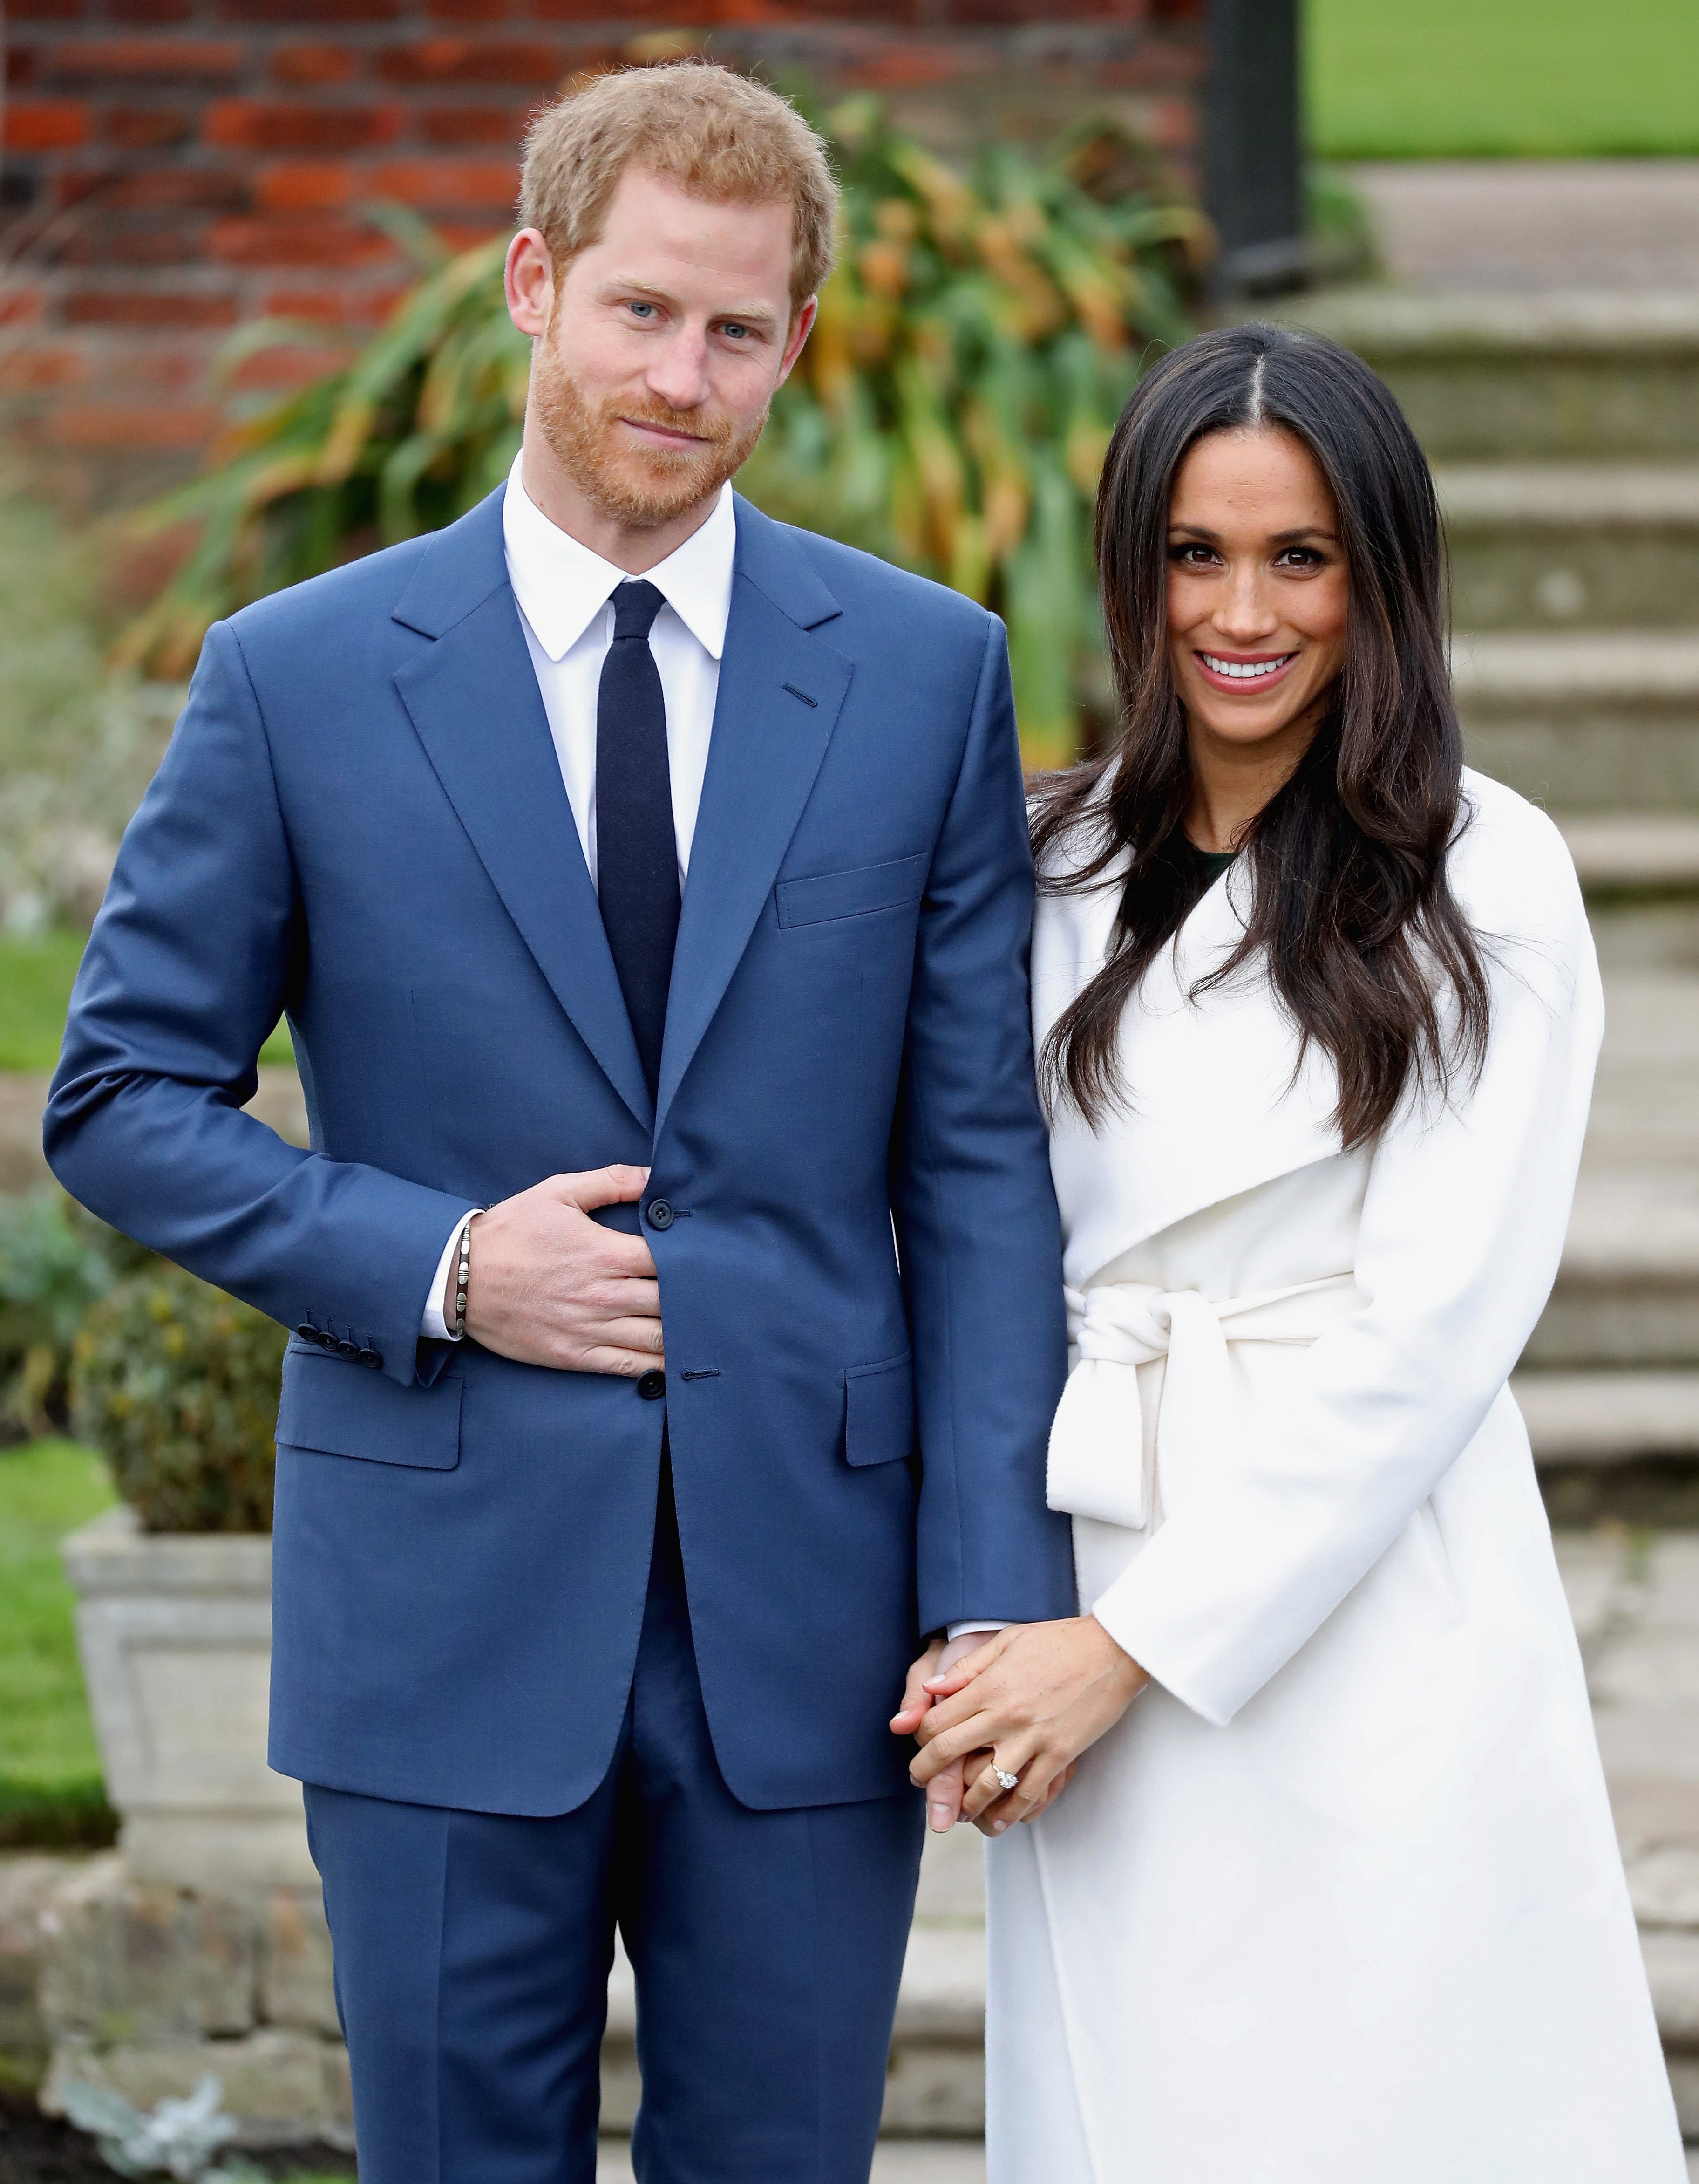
(473, 1950)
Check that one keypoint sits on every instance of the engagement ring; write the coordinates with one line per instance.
(1006, 1781)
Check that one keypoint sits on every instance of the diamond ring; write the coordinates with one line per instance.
(1005, 1781)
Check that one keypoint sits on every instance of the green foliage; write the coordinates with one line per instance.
(177, 1385)
(36, 973)
(1388, 80)
(951, 411)
(76, 746)
(50, 1783)
(55, 1262)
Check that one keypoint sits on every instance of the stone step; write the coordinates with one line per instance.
(936, 2161)
(1568, 546)
(1606, 1416)
(1559, 376)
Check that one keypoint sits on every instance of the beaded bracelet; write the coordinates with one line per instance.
(462, 1278)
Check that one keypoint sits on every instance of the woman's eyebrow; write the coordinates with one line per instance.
(1304, 530)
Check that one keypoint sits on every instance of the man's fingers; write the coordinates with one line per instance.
(908, 1715)
(623, 1364)
(944, 1800)
(939, 1752)
(965, 1667)
(589, 1188)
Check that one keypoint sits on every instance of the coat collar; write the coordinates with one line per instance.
(473, 698)
(1217, 1101)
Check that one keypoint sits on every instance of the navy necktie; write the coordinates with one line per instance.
(637, 849)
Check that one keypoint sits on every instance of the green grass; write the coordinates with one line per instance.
(1424, 78)
(50, 1782)
(35, 975)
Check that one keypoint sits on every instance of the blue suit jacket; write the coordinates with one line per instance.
(360, 821)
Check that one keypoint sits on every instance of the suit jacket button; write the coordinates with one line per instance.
(652, 1386)
(348, 1349)
(659, 1214)
(307, 1331)
(372, 1357)
(326, 1340)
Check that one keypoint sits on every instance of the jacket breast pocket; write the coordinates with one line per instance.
(878, 1412)
(341, 1409)
(853, 893)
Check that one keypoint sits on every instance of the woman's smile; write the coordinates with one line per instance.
(1237, 672)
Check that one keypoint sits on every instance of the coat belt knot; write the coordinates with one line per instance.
(1096, 1466)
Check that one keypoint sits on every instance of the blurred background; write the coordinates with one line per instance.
(251, 325)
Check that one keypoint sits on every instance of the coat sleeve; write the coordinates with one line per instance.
(191, 963)
(975, 1209)
(1462, 1228)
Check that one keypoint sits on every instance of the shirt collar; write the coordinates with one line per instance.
(561, 587)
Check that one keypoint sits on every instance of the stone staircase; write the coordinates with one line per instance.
(1564, 431)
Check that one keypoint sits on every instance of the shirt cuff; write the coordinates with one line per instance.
(431, 1324)
(955, 1631)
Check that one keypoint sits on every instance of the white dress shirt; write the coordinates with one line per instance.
(564, 593)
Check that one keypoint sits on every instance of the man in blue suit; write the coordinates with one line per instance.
(654, 878)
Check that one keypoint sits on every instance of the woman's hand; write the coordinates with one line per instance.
(1037, 1696)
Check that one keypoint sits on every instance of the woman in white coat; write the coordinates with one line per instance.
(1335, 1898)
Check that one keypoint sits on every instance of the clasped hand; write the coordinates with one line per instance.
(551, 1287)
(1033, 1696)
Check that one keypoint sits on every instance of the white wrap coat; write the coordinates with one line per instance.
(1339, 1900)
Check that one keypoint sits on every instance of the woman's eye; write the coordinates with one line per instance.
(1193, 556)
(1299, 557)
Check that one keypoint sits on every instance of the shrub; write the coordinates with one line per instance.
(55, 1262)
(951, 411)
(175, 1384)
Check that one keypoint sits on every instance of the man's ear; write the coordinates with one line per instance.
(801, 324)
(528, 278)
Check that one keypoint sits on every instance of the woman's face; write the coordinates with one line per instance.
(1257, 594)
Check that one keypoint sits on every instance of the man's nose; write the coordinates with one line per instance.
(680, 375)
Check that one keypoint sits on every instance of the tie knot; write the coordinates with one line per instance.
(635, 609)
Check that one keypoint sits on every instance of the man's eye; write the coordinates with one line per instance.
(644, 310)
(736, 330)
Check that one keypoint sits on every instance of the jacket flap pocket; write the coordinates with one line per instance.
(878, 1412)
(341, 1409)
(851, 893)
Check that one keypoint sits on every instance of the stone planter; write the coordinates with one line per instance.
(175, 1631)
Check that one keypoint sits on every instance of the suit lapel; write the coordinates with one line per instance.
(473, 698)
(780, 690)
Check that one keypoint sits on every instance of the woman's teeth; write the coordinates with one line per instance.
(1245, 671)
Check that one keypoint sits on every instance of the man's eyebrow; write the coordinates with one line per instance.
(755, 314)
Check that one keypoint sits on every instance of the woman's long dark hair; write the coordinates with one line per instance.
(1366, 946)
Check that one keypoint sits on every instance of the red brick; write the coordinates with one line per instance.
(912, 65)
(312, 64)
(108, 242)
(298, 239)
(450, 185)
(178, 310)
(155, 425)
(470, 11)
(173, 190)
(45, 124)
(457, 126)
(146, 128)
(41, 367)
(23, 305)
(151, 11)
(306, 186)
(161, 58)
(280, 371)
(45, 11)
(353, 303)
(277, 124)
(300, 12)
(22, 66)
(466, 234)
(473, 60)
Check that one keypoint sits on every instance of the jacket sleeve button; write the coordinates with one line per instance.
(371, 1357)
(307, 1331)
(660, 1214)
(652, 1386)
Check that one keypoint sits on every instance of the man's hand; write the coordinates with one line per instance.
(944, 1796)
(550, 1286)
(1037, 1696)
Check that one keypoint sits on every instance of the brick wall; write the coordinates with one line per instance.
(174, 168)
